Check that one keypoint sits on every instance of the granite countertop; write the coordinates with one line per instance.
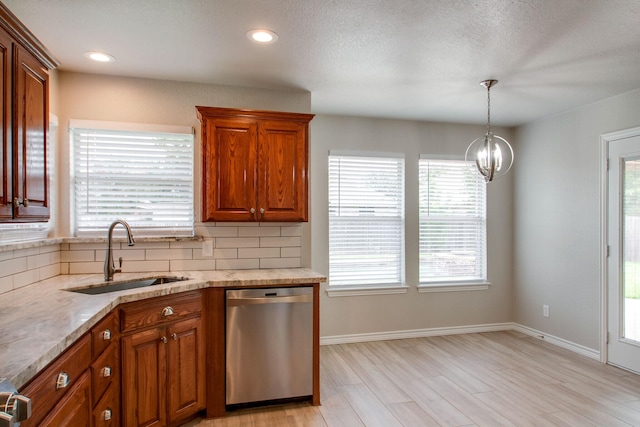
(38, 322)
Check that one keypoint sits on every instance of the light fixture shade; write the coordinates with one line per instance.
(492, 156)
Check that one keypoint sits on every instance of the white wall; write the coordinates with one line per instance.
(410, 311)
(557, 218)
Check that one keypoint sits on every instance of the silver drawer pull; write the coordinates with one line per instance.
(106, 371)
(167, 311)
(106, 415)
(106, 335)
(62, 381)
(174, 336)
(163, 339)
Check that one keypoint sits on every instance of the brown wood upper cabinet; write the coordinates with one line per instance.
(24, 118)
(254, 165)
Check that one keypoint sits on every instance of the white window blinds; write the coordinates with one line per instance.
(366, 220)
(452, 222)
(142, 174)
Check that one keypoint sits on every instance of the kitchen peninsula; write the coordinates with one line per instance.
(42, 320)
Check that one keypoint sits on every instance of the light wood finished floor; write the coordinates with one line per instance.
(487, 379)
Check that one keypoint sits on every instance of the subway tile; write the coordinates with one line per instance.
(54, 257)
(64, 246)
(192, 265)
(49, 248)
(37, 261)
(13, 266)
(77, 256)
(258, 231)
(291, 252)
(288, 231)
(258, 252)
(237, 264)
(247, 242)
(6, 255)
(279, 262)
(85, 267)
(186, 244)
(212, 232)
(26, 252)
(143, 245)
(86, 246)
(25, 278)
(230, 253)
(127, 255)
(64, 268)
(145, 266)
(6, 284)
(49, 271)
(271, 242)
(169, 254)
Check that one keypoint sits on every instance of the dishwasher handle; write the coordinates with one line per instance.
(287, 299)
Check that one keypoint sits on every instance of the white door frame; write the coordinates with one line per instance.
(605, 140)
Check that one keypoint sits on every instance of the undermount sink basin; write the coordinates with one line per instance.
(121, 286)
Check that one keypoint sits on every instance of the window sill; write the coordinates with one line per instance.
(454, 287)
(350, 292)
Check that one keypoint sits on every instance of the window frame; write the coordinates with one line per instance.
(184, 231)
(370, 288)
(462, 284)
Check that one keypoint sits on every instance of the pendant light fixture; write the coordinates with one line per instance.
(491, 153)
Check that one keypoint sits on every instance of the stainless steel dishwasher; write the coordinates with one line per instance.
(269, 344)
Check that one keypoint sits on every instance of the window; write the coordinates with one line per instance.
(366, 220)
(140, 173)
(452, 222)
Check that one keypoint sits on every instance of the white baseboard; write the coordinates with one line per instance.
(560, 342)
(433, 332)
(414, 333)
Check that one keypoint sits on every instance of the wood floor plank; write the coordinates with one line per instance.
(485, 379)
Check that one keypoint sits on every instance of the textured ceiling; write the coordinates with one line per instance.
(416, 59)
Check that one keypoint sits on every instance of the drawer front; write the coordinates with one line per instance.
(158, 311)
(52, 383)
(107, 331)
(106, 412)
(104, 371)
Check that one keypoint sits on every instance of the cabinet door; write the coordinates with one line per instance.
(143, 378)
(6, 211)
(229, 169)
(186, 369)
(75, 407)
(31, 125)
(282, 166)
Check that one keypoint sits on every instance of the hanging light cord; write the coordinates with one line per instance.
(488, 109)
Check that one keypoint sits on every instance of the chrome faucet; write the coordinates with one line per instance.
(109, 267)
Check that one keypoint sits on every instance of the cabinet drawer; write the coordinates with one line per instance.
(44, 391)
(159, 310)
(106, 412)
(104, 333)
(104, 371)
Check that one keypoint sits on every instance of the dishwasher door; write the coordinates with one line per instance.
(269, 344)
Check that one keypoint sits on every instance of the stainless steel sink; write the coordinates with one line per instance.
(106, 287)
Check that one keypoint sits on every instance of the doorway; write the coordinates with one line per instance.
(623, 239)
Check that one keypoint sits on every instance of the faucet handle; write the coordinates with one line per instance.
(119, 269)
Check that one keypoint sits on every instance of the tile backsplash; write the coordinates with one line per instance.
(237, 247)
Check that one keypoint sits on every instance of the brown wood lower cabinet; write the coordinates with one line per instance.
(75, 407)
(163, 375)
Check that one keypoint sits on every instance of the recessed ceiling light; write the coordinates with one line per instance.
(100, 56)
(262, 36)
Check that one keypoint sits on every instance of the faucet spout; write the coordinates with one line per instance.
(109, 267)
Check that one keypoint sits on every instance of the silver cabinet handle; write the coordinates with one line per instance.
(163, 339)
(106, 371)
(62, 381)
(167, 311)
(106, 335)
(17, 202)
(252, 210)
(261, 211)
(174, 336)
(106, 415)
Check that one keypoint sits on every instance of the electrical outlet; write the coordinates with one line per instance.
(207, 248)
(545, 310)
